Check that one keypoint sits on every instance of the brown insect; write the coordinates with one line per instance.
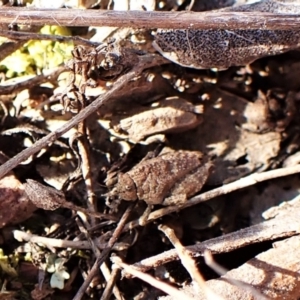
(167, 179)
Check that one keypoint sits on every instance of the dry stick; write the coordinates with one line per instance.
(277, 228)
(48, 75)
(189, 263)
(111, 284)
(105, 253)
(82, 226)
(9, 47)
(85, 157)
(183, 254)
(151, 19)
(22, 236)
(107, 274)
(104, 268)
(83, 148)
(84, 152)
(145, 62)
(25, 36)
(167, 288)
(280, 227)
(223, 190)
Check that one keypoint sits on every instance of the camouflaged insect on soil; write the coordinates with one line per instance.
(168, 179)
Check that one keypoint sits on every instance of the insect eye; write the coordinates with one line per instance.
(128, 188)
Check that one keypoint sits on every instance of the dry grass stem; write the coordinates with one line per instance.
(168, 289)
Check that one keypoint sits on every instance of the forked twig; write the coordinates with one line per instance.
(105, 253)
(104, 268)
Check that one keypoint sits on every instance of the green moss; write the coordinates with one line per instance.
(35, 56)
(6, 264)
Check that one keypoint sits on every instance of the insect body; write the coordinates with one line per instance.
(167, 179)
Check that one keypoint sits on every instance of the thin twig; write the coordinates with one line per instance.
(83, 148)
(59, 243)
(280, 227)
(108, 277)
(105, 253)
(26, 36)
(168, 289)
(50, 242)
(7, 48)
(111, 284)
(82, 226)
(104, 268)
(49, 75)
(85, 157)
(189, 263)
(149, 19)
(145, 62)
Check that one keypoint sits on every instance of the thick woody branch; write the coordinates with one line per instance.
(143, 19)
